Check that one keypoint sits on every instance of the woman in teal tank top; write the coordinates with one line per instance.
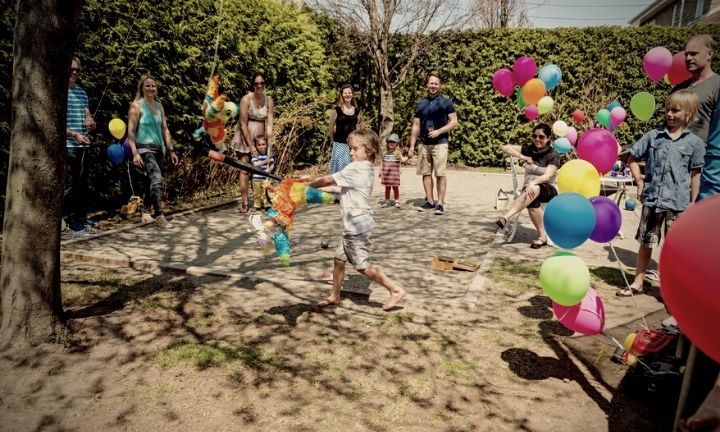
(149, 138)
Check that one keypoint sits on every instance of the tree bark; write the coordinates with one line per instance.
(30, 302)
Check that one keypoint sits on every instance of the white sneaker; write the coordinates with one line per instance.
(397, 204)
(385, 204)
(162, 222)
(146, 217)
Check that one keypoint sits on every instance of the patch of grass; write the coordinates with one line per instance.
(199, 322)
(517, 276)
(456, 368)
(212, 354)
(610, 276)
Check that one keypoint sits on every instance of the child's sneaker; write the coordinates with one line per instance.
(385, 204)
(146, 217)
(162, 222)
(397, 204)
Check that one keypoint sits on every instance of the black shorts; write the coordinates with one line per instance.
(547, 192)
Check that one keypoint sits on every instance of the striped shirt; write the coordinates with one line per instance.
(258, 158)
(77, 103)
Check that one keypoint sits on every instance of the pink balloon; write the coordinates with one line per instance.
(617, 115)
(531, 112)
(571, 135)
(586, 317)
(502, 81)
(523, 69)
(657, 62)
(599, 147)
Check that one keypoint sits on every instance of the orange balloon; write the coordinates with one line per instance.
(533, 91)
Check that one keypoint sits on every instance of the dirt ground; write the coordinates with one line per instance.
(215, 336)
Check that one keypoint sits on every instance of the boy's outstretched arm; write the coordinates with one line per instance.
(637, 176)
(694, 184)
(323, 181)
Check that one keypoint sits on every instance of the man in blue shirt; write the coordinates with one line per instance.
(79, 122)
(435, 117)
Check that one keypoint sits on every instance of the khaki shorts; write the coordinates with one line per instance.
(432, 158)
(260, 199)
(355, 249)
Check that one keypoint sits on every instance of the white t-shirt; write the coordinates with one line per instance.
(356, 180)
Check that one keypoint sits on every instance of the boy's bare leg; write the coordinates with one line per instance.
(643, 259)
(338, 278)
(707, 416)
(396, 293)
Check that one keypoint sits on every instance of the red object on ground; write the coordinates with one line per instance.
(650, 341)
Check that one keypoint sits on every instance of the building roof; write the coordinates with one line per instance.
(651, 10)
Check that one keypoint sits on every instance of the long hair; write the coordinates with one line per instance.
(144, 77)
(353, 102)
(367, 139)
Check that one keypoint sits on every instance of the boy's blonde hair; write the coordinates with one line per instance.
(368, 139)
(686, 101)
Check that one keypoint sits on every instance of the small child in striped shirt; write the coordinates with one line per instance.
(390, 170)
(259, 183)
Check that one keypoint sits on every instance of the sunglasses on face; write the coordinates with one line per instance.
(259, 83)
(75, 70)
(538, 136)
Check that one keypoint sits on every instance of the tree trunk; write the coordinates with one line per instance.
(30, 303)
(387, 109)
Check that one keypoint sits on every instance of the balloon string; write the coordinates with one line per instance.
(627, 285)
(132, 190)
(122, 49)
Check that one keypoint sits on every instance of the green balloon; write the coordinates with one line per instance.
(518, 97)
(643, 105)
(565, 278)
(603, 117)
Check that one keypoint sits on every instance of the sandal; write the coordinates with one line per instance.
(501, 222)
(244, 208)
(538, 243)
(629, 292)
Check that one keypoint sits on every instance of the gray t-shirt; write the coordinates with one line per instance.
(707, 93)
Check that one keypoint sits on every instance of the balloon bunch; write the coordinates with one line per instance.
(216, 112)
(578, 213)
(118, 152)
(531, 93)
(287, 198)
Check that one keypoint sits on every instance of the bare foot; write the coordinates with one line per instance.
(330, 301)
(707, 417)
(394, 300)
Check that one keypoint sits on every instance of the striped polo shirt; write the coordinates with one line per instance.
(258, 158)
(76, 104)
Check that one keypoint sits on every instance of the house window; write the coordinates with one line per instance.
(674, 15)
(699, 6)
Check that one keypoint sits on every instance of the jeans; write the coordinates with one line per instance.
(153, 188)
(75, 193)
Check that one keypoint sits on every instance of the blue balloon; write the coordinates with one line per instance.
(550, 75)
(116, 153)
(613, 104)
(562, 145)
(569, 220)
(630, 204)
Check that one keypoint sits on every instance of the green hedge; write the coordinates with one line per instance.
(307, 56)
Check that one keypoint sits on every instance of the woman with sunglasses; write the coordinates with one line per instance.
(540, 185)
(256, 118)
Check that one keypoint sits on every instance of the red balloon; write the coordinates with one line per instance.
(690, 277)
(578, 115)
(678, 71)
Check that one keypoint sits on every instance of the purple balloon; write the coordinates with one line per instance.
(586, 317)
(608, 219)
(523, 69)
(127, 149)
(502, 81)
(599, 147)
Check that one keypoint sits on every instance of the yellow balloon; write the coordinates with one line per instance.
(560, 128)
(629, 339)
(117, 128)
(545, 104)
(579, 176)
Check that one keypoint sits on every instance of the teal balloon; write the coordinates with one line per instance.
(603, 117)
(565, 278)
(642, 105)
(569, 220)
(550, 75)
(614, 104)
(562, 145)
